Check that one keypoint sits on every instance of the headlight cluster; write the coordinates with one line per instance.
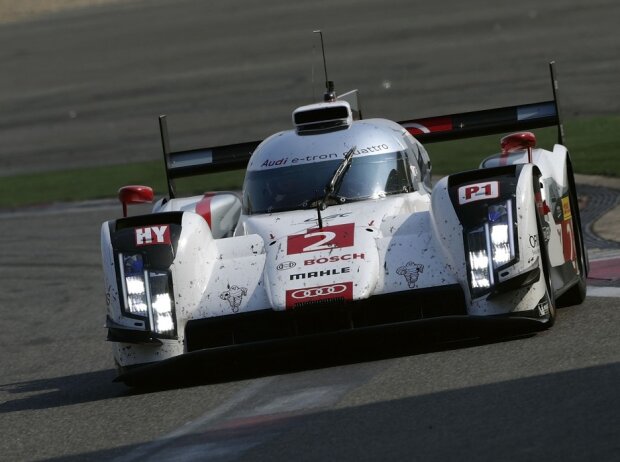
(490, 247)
(147, 294)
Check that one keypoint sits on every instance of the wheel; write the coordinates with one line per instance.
(545, 273)
(577, 293)
(551, 303)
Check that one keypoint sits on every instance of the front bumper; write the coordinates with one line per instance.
(121, 333)
(214, 364)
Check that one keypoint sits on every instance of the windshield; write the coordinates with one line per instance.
(301, 186)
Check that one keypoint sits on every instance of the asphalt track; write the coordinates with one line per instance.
(235, 71)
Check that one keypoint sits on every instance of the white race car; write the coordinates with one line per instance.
(338, 229)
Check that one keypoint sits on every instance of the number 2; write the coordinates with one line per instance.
(322, 244)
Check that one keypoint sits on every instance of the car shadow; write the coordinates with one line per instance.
(200, 370)
(442, 425)
(61, 391)
(255, 361)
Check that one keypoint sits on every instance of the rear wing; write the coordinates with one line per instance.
(193, 162)
(490, 121)
(180, 164)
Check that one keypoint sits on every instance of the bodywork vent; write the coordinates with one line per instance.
(322, 116)
(325, 318)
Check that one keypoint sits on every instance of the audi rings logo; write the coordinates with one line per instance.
(305, 295)
(319, 291)
(286, 265)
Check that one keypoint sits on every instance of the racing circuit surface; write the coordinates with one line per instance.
(85, 87)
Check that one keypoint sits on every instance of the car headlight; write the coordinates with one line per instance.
(161, 303)
(134, 285)
(147, 294)
(501, 232)
(490, 247)
(480, 269)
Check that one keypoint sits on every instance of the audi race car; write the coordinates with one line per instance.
(338, 229)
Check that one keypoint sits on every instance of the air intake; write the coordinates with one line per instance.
(322, 116)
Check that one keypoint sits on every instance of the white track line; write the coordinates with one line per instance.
(149, 450)
(596, 291)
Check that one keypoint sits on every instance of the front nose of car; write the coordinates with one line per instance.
(330, 264)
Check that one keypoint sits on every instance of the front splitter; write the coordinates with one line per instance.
(427, 334)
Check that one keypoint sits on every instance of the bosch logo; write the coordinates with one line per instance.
(319, 291)
(286, 265)
(334, 258)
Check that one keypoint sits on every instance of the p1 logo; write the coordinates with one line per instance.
(152, 235)
(478, 191)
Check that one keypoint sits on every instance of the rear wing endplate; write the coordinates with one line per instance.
(180, 164)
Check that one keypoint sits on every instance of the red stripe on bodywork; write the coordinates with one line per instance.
(203, 208)
(431, 125)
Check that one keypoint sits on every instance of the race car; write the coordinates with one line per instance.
(339, 229)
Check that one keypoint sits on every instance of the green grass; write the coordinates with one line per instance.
(103, 182)
(593, 143)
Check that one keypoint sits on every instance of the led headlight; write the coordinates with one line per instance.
(161, 303)
(490, 247)
(480, 270)
(501, 232)
(147, 294)
(133, 278)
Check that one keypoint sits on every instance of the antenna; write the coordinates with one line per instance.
(330, 94)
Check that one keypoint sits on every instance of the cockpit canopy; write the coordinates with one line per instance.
(291, 170)
(299, 187)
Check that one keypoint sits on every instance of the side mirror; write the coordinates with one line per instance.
(134, 194)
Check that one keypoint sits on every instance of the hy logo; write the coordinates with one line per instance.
(150, 235)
